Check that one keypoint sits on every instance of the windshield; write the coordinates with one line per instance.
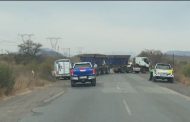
(163, 66)
(146, 60)
(62, 61)
(86, 65)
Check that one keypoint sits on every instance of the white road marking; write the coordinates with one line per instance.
(118, 87)
(127, 107)
(176, 93)
(53, 97)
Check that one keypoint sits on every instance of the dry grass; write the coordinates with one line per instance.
(28, 81)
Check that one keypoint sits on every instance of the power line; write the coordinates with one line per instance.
(25, 37)
(54, 42)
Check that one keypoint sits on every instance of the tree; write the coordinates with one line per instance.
(155, 56)
(29, 48)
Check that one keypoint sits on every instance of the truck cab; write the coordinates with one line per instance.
(83, 72)
(141, 64)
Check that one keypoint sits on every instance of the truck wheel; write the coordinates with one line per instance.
(171, 80)
(73, 84)
(154, 79)
(136, 71)
(93, 82)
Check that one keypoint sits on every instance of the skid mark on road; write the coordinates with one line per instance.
(127, 107)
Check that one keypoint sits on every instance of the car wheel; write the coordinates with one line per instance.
(73, 84)
(154, 79)
(93, 83)
(171, 80)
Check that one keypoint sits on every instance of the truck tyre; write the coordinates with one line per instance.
(154, 79)
(171, 80)
(136, 71)
(93, 82)
(73, 84)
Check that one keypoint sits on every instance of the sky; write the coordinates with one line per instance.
(109, 27)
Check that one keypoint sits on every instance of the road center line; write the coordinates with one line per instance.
(118, 87)
(127, 107)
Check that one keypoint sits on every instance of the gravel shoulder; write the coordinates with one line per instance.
(15, 107)
(176, 86)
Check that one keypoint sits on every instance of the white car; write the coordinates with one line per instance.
(163, 71)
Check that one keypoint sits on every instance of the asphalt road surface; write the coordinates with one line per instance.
(116, 98)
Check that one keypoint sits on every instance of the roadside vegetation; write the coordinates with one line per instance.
(180, 64)
(25, 70)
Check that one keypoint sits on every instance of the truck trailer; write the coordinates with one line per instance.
(99, 61)
(118, 63)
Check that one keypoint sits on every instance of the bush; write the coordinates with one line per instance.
(45, 69)
(186, 70)
(7, 79)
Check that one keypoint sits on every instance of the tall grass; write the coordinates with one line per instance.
(7, 78)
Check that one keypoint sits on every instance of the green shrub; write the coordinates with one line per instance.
(7, 79)
(45, 69)
(186, 70)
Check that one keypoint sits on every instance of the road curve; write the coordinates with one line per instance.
(116, 98)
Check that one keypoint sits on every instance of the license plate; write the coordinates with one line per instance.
(83, 77)
(163, 75)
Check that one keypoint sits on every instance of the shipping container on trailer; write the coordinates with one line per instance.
(118, 63)
(100, 62)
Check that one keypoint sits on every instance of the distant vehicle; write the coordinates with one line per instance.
(163, 71)
(62, 69)
(99, 61)
(83, 72)
(140, 64)
(119, 63)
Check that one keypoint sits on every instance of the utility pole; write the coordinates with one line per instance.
(69, 52)
(29, 36)
(173, 59)
(80, 50)
(54, 42)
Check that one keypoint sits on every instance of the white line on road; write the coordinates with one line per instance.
(53, 97)
(118, 87)
(127, 107)
(176, 93)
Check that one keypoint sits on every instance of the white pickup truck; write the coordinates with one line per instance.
(62, 69)
(163, 71)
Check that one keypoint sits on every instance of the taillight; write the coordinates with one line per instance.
(94, 71)
(71, 72)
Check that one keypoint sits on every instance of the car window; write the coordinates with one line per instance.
(163, 66)
(87, 65)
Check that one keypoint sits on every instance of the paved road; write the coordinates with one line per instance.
(116, 98)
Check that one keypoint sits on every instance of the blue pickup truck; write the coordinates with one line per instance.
(83, 72)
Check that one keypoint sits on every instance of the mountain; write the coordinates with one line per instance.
(178, 53)
(46, 52)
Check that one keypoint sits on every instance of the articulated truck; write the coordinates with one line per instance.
(98, 61)
(118, 63)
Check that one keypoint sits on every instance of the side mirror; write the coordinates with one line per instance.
(95, 66)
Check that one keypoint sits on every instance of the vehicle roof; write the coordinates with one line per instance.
(162, 64)
(119, 56)
(91, 55)
(82, 63)
(62, 59)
